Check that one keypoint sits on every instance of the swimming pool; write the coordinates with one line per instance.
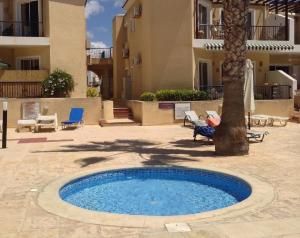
(155, 191)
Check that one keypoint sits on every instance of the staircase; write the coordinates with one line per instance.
(122, 117)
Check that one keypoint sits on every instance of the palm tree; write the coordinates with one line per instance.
(230, 137)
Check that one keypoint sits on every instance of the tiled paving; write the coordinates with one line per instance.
(27, 168)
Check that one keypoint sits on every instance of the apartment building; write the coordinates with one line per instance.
(178, 44)
(38, 36)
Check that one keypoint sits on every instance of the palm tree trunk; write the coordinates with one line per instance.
(230, 137)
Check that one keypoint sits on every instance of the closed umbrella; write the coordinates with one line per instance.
(249, 101)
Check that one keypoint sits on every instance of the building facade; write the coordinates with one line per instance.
(178, 44)
(39, 36)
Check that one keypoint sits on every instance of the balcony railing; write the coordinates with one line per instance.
(100, 53)
(17, 28)
(265, 92)
(20, 89)
(264, 33)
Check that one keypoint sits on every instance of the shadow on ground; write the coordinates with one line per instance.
(152, 153)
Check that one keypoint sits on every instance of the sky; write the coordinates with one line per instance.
(99, 15)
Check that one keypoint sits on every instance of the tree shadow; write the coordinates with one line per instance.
(90, 161)
(152, 153)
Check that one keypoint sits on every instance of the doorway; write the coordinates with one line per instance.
(29, 17)
(204, 79)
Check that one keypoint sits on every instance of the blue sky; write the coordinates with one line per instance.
(99, 15)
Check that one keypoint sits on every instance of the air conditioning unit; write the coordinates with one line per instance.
(125, 53)
(137, 60)
(137, 11)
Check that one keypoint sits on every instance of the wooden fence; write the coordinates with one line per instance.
(20, 89)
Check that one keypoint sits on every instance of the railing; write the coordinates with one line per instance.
(265, 92)
(20, 89)
(266, 33)
(269, 92)
(17, 28)
(100, 53)
(214, 92)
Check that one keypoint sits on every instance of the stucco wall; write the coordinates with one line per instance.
(165, 46)
(23, 75)
(118, 61)
(149, 114)
(262, 61)
(67, 33)
(61, 106)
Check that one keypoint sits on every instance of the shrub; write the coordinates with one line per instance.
(92, 92)
(147, 96)
(181, 95)
(58, 84)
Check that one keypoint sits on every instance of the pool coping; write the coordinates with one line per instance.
(49, 199)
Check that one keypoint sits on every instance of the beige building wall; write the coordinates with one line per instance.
(165, 46)
(118, 60)
(67, 47)
(216, 59)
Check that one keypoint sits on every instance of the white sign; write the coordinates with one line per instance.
(180, 109)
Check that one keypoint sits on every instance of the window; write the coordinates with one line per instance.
(29, 64)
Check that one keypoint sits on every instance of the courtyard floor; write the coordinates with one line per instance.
(32, 161)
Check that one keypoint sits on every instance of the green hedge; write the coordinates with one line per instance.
(181, 95)
(148, 97)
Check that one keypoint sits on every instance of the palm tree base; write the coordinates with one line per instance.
(231, 141)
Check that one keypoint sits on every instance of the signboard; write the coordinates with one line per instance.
(180, 109)
(164, 105)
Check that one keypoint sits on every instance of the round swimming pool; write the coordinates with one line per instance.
(155, 191)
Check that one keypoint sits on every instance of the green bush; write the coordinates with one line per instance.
(58, 84)
(181, 95)
(147, 96)
(92, 92)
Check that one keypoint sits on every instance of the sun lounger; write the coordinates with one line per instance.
(213, 118)
(271, 120)
(206, 131)
(49, 122)
(75, 118)
(30, 111)
(258, 120)
(256, 135)
(193, 118)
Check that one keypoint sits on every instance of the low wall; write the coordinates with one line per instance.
(149, 114)
(23, 75)
(61, 106)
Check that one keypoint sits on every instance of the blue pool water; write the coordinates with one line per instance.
(155, 191)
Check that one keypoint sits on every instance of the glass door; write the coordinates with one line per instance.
(203, 21)
(203, 75)
(30, 18)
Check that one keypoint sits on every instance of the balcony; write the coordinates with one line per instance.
(21, 29)
(8, 75)
(264, 92)
(21, 83)
(99, 56)
(259, 33)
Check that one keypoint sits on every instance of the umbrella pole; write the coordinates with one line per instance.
(249, 123)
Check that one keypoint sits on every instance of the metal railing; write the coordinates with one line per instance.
(20, 89)
(100, 53)
(266, 33)
(270, 92)
(17, 28)
(265, 92)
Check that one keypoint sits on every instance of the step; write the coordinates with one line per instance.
(122, 112)
(118, 122)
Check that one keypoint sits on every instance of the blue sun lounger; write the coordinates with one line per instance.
(75, 118)
(206, 131)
